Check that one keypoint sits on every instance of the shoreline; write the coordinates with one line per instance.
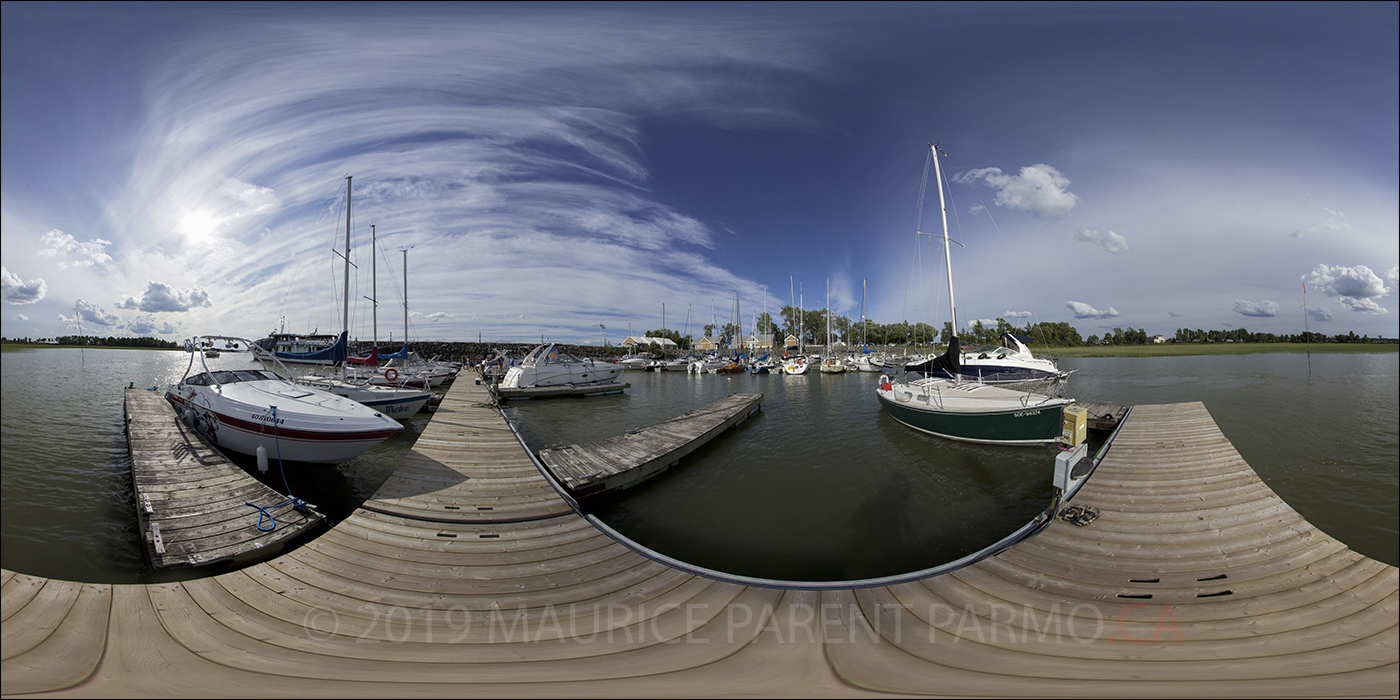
(474, 350)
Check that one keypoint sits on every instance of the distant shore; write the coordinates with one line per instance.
(475, 352)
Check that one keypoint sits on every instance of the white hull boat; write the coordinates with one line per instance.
(247, 409)
(546, 365)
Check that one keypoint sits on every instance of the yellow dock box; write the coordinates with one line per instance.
(1075, 428)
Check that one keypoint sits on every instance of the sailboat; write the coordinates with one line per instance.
(963, 410)
(831, 364)
(399, 402)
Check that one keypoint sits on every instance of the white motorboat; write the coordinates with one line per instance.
(1008, 363)
(243, 410)
(546, 365)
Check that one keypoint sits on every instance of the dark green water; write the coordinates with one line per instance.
(819, 485)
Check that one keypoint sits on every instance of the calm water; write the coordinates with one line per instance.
(820, 485)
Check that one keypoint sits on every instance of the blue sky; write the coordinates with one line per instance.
(174, 169)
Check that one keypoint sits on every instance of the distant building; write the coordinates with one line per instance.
(1158, 339)
(790, 341)
(706, 344)
(759, 341)
(646, 341)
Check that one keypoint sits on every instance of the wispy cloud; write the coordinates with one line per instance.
(1082, 310)
(17, 291)
(1332, 220)
(1318, 314)
(1039, 189)
(1109, 241)
(1017, 314)
(1265, 308)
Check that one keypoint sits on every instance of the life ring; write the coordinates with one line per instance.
(391, 374)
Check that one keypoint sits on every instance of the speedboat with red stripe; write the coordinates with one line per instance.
(240, 410)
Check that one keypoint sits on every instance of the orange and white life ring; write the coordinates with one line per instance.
(391, 374)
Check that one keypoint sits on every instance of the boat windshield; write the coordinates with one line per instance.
(230, 377)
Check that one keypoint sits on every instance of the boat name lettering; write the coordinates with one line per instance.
(1023, 414)
(268, 419)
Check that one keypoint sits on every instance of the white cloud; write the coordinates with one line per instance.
(148, 326)
(1110, 241)
(21, 317)
(1017, 314)
(1082, 310)
(986, 322)
(1357, 287)
(59, 244)
(1039, 189)
(1320, 314)
(85, 311)
(16, 291)
(162, 297)
(1265, 308)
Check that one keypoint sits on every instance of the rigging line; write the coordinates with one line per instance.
(303, 257)
(914, 262)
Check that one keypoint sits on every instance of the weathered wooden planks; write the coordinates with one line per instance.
(192, 502)
(411, 598)
(637, 455)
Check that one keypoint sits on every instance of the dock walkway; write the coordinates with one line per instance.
(192, 502)
(627, 459)
(468, 575)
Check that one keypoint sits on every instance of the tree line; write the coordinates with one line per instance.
(812, 327)
(97, 341)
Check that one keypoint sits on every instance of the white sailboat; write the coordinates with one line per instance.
(394, 401)
(962, 410)
(831, 364)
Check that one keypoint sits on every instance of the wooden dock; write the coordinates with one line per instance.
(192, 502)
(468, 575)
(505, 393)
(1103, 416)
(628, 459)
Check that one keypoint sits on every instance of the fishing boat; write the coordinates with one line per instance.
(546, 365)
(305, 349)
(970, 411)
(260, 410)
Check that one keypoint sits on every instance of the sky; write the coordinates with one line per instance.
(573, 171)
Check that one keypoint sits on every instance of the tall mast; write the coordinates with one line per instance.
(828, 317)
(374, 283)
(345, 319)
(947, 253)
(405, 297)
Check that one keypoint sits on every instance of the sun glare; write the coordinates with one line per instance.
(199, 226)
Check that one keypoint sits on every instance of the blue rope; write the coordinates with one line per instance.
(296, 502)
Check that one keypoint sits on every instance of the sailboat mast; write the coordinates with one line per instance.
(345, 319)
(405, 297)
(947, 256)
(828, 317)
(374, 284)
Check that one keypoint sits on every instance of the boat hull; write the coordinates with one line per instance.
(1023, 425)
(332, 437)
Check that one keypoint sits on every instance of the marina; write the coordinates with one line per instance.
(468, 573)
(637, 455)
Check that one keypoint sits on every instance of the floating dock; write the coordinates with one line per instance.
(192, 502)
(637, 455)
(1103, 416)
(545, 392)
(467, 574)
